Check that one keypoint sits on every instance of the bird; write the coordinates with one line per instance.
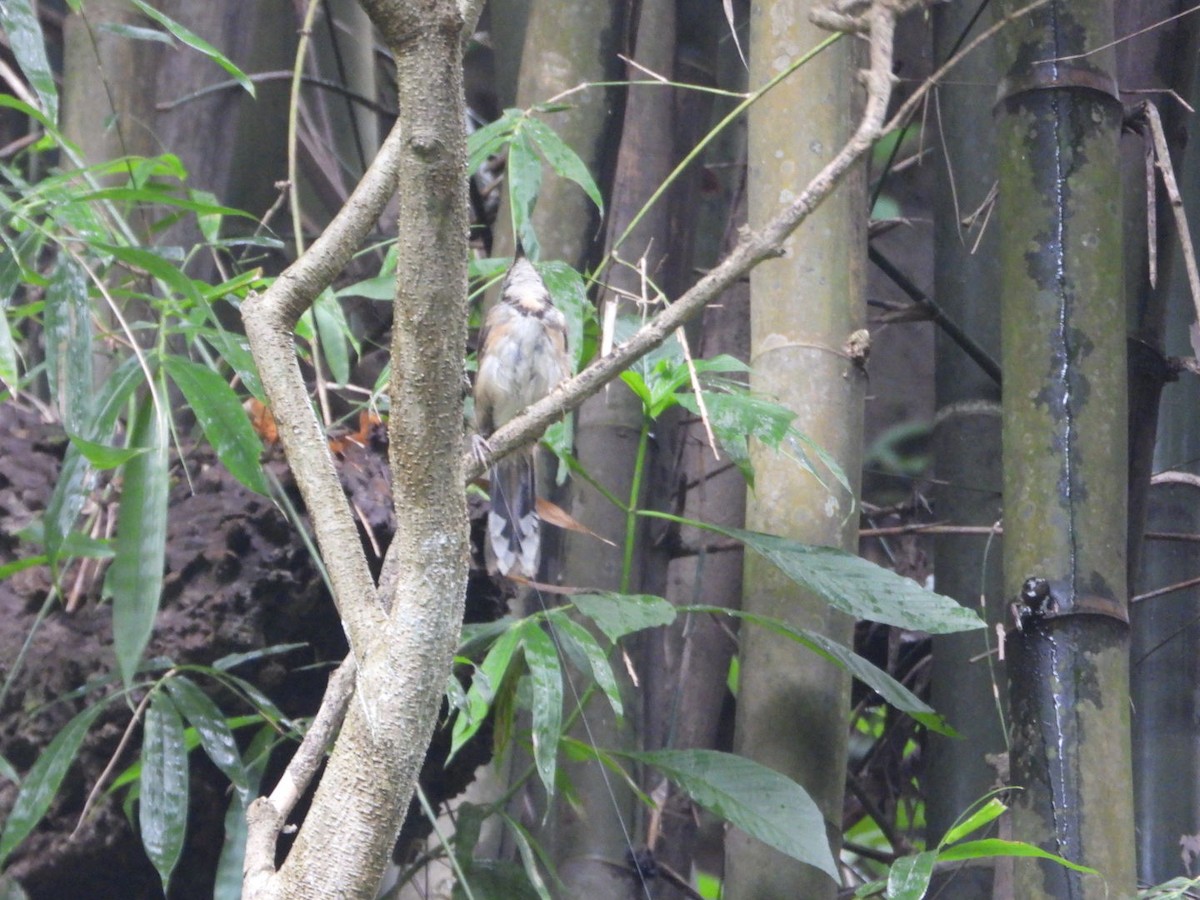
(522, 358)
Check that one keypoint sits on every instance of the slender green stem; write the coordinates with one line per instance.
(631, 511)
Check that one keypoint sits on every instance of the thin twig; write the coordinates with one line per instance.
(112, 761)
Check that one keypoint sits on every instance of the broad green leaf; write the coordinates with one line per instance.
(483, 688)
(235, 351)
(225, 663)
(10, 371)
(524, 185)
(221, 417)
(381, 287)
(909, 876)
(73, 544)
(545, 676)
(134, 580)
(334, 331)
(570, 295)
(228, 884)
(216, 737)
(42, 781)
(491, 138)
(102, 456)
(494, 879)
(563, 159)
(525, 848)
(617, 615)
(7, 771)
(869, 674)
(71, 489)
(157, 266)
(758, 800)
(987, 813)
(579, 644)
(157, 194)
(196, 43)
(997, 847)
(163, 797)
(69, 342)
(20, 24)
(851, 583)
(137, 32)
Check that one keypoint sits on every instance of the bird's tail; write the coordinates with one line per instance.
(513, 525)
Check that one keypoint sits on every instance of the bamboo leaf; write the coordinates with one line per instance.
(71, 489)
(871, 675)
(546, 678)
(990, 847)
(851, 583)
(69, 342)
(163, 795)
(134, 580)
(19, 21)
(617, 615)
(334, 331)
(42, 782)
(524, 185)
(578, 643)
(196, 43)
(758, 800)
(102, 456)
(988, 812)
(909, 876)
(216, 737)
(486, 683)
(563, 159)
(225, 424)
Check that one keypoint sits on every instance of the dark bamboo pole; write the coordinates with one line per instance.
(1064, 442)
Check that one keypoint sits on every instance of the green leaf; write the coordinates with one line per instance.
(494, 879)
(334, 331)
(163, 797)
(758, 800)
(988, 812)
(909, 876)
(216, 737)
(196, 43)
(20, 24)
(225, 663)
(579, 644)
(71, 489)
(869, 674)
(990, 847)
(617, 615)
(134, 580)
(102, 456)
(570, 295)
(10, 371)
(42, 781)
(228, 884)
(486, 683)
(69, 342)
(546, 678)
(7, 771)
(525, 848)
(158, 267)
(563, 159)
(137, 32)
(491, 138)
(221, 417)
(851, 583)
(524, 185)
